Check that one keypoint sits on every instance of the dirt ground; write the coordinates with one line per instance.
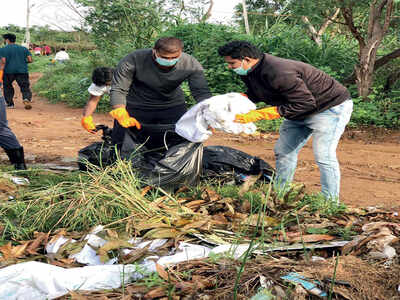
(370, 160)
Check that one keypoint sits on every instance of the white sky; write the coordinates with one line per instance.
(14, 12)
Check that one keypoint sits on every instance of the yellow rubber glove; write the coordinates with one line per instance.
(123, 118)
(1, 76)
(269, 113)
(87, 123)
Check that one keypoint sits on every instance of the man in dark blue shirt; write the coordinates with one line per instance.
(14, 61)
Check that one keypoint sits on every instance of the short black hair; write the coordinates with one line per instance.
(62, 49)
(10, 36)
(239, 50)
(102, 75)
(168, 44)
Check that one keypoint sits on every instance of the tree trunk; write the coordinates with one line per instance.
(27, 32)
(207, 15)
(378, 63)
(246, 19)
(315, 35)
(369, 43)
(364, 70)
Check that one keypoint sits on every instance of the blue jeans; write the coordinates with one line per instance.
(326, 128)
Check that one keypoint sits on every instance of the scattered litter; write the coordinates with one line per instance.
(51, 166)
(377, 237)
(264, 294)
(234, 251)
(16, 180)
(309, 286)
(317, 258)
(187, 252)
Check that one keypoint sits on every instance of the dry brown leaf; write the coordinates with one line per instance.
(195, 203)
(246, 206)
(210, 195)
(111, 245)
(134, 255)
(41, 238)
(310, 238)
(182, 222)
(155, 293)
(240, 216)
(182, 189)
(230, 209)
(112, 234)
(148, 225)
(145, 190)
(249, 182)
(288, 236)
(185, 286)
(220, 219)
(77, 296)
(10, 252)
(196, 225)
(253, 220)
(299, 293)
(161, 272)
(162, 233)
(136, 289)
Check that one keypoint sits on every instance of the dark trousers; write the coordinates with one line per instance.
(23, 83)
(8, 139)
(149, 117)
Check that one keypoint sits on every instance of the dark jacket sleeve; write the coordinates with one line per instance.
(122, 80)
(198, 84)
(299, 99)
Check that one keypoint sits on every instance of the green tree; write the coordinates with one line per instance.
(133, 21)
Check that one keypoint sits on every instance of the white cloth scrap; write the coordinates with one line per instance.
(217, 112)
(96, 90)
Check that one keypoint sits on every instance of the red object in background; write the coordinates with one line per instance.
(47, 50)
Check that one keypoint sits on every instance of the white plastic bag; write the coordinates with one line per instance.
(217, 112)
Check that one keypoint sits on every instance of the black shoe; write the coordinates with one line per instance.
(10, 105)
(16, 157)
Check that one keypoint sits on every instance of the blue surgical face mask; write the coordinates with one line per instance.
(240, 71)
(166, 62)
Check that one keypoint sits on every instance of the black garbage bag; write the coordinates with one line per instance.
(99, 153)
(166, 159)
(224, 161)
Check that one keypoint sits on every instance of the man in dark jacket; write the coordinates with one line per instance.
(312, 103)
(13, 60)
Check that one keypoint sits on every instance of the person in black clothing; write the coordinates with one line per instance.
(8, 140)
(312, 103)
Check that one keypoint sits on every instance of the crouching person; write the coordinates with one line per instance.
(312, 103)
(101, 84)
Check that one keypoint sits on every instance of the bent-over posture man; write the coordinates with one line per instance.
(312, 103)
(146, 87)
